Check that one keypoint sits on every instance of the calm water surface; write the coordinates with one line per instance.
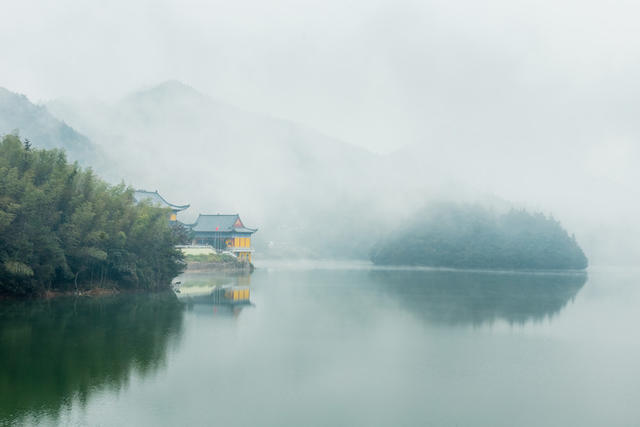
(327, 344)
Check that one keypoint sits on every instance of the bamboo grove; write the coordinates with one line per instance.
(63, 228)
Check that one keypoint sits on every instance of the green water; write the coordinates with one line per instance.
(333, 344)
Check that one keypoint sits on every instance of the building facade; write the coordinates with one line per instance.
(224, 233)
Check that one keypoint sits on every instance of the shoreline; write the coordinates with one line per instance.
(105, 291)
(93, 292)
(204, 266)
(97, 292)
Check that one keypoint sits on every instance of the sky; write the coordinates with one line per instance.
(379, 74)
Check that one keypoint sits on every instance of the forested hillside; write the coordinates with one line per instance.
(62, 227)
(467, 236)
(35, 122)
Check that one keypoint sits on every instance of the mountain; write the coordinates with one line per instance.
(281, 176)
(36, 123)
(313, 195)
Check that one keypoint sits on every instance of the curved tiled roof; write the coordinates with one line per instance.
(156, 200)
(208, 223)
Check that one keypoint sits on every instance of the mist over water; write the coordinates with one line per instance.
(344, 344)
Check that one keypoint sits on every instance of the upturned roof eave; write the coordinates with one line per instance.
(177, 207)
(203, 224)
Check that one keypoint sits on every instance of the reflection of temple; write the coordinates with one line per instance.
(458, 297)
(224, 232)
(218, 294)
(218, 304)
(157, 200)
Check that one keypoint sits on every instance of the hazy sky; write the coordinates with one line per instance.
(377, 73)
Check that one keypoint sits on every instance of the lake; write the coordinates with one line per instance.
(333, 344)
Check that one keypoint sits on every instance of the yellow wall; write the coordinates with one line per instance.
(238, 294)
(241, 242)
(173, 217)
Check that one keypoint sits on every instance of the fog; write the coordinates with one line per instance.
(337, 346)
(322, 117)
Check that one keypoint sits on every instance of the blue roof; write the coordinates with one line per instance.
(156, 200)
(221, 223)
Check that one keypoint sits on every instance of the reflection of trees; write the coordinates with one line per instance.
(54, 351)
(457, 297)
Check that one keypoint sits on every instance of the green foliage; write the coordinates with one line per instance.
(60, 224)
(459, 236)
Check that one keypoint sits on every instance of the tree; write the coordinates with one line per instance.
(61, 225)
(467, 236)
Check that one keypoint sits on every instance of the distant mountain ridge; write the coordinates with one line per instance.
(282, 176)
(35, 122)
(310, 194)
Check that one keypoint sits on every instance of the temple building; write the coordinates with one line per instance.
(220, 232)
(157, 200)
(224, 232)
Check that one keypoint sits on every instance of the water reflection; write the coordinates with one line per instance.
(204, 306)
(212, 279)
(215, 294)
(458, 297)
(55, 352)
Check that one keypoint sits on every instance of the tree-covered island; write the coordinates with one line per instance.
(468, 236)
(64, 229)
